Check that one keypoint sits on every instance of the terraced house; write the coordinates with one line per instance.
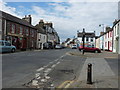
(116, 36)
(18, 32)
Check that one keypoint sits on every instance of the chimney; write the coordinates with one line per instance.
(101, 33)
(41, 23)
(108, 29)
(28, 18)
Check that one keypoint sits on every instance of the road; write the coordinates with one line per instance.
(21, 69)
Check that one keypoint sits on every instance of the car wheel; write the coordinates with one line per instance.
(96, 51)
(13, 50)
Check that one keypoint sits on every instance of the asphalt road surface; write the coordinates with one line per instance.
(20, 68)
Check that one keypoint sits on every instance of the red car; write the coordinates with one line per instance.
(89, 48)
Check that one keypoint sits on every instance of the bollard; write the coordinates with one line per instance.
(89, 74)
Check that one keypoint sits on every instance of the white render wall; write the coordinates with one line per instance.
(42, 38)
(119, 38)
(98, 43)
(116, 45)
(89, 41)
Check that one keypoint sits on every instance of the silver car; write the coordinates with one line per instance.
(5, 46)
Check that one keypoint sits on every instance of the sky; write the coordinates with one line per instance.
(67, 17)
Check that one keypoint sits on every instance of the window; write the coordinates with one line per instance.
(105, 44)
(118, 29)
(17, 28)
(87, 38)
(27, 32)
(32, 33)
(13, 28)
(7, 44)
(91, 39)
(21, 30)
(8, 27)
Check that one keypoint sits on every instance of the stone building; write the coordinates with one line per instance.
(18, 32)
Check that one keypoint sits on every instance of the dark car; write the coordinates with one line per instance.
(89, 48)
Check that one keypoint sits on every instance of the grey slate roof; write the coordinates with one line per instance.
(40, 30)
(16, 19)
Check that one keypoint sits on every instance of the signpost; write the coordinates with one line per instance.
(83, 39)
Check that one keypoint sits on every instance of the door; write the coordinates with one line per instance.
(7, 47)
(108, 45)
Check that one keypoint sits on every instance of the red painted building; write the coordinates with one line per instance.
(18, 32)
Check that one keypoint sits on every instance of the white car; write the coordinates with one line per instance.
(58, 47)
(74, 46)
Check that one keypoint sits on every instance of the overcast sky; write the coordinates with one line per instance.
(67, 17)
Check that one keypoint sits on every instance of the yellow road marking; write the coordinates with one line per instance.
(68, 83)
(61, 85)
(67, 86)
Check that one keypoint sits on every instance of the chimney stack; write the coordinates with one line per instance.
(101, 33)
(28, 18)
(41, 23)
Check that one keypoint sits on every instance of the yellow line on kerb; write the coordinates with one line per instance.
(65, 84)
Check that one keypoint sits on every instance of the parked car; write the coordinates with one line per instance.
(89, 48)
(5, 46)
(58, 47)
(74, 46)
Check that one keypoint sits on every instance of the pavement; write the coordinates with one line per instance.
(103, 76)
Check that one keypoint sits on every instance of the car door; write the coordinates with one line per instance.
(7, 47)
(89, 48)
(2, 46)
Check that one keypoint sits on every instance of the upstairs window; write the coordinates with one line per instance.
(87, 38)
(21, 30)
(13, 28)
(91, 39)
(27, 32)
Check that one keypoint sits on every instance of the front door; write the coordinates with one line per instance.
(108, 45)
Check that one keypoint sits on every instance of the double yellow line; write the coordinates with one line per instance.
(65, 84)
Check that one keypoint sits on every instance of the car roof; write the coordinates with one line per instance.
(3, 41)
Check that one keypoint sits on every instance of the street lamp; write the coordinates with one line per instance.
(83, 39)
(102, 25)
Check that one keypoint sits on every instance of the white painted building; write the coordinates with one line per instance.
(98, 42)
(89, 38)
(41, 39)
(116, 36)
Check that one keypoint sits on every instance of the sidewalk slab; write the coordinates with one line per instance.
(102, 75)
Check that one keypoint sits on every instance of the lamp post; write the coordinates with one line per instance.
(102, 25)
(83, 39)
